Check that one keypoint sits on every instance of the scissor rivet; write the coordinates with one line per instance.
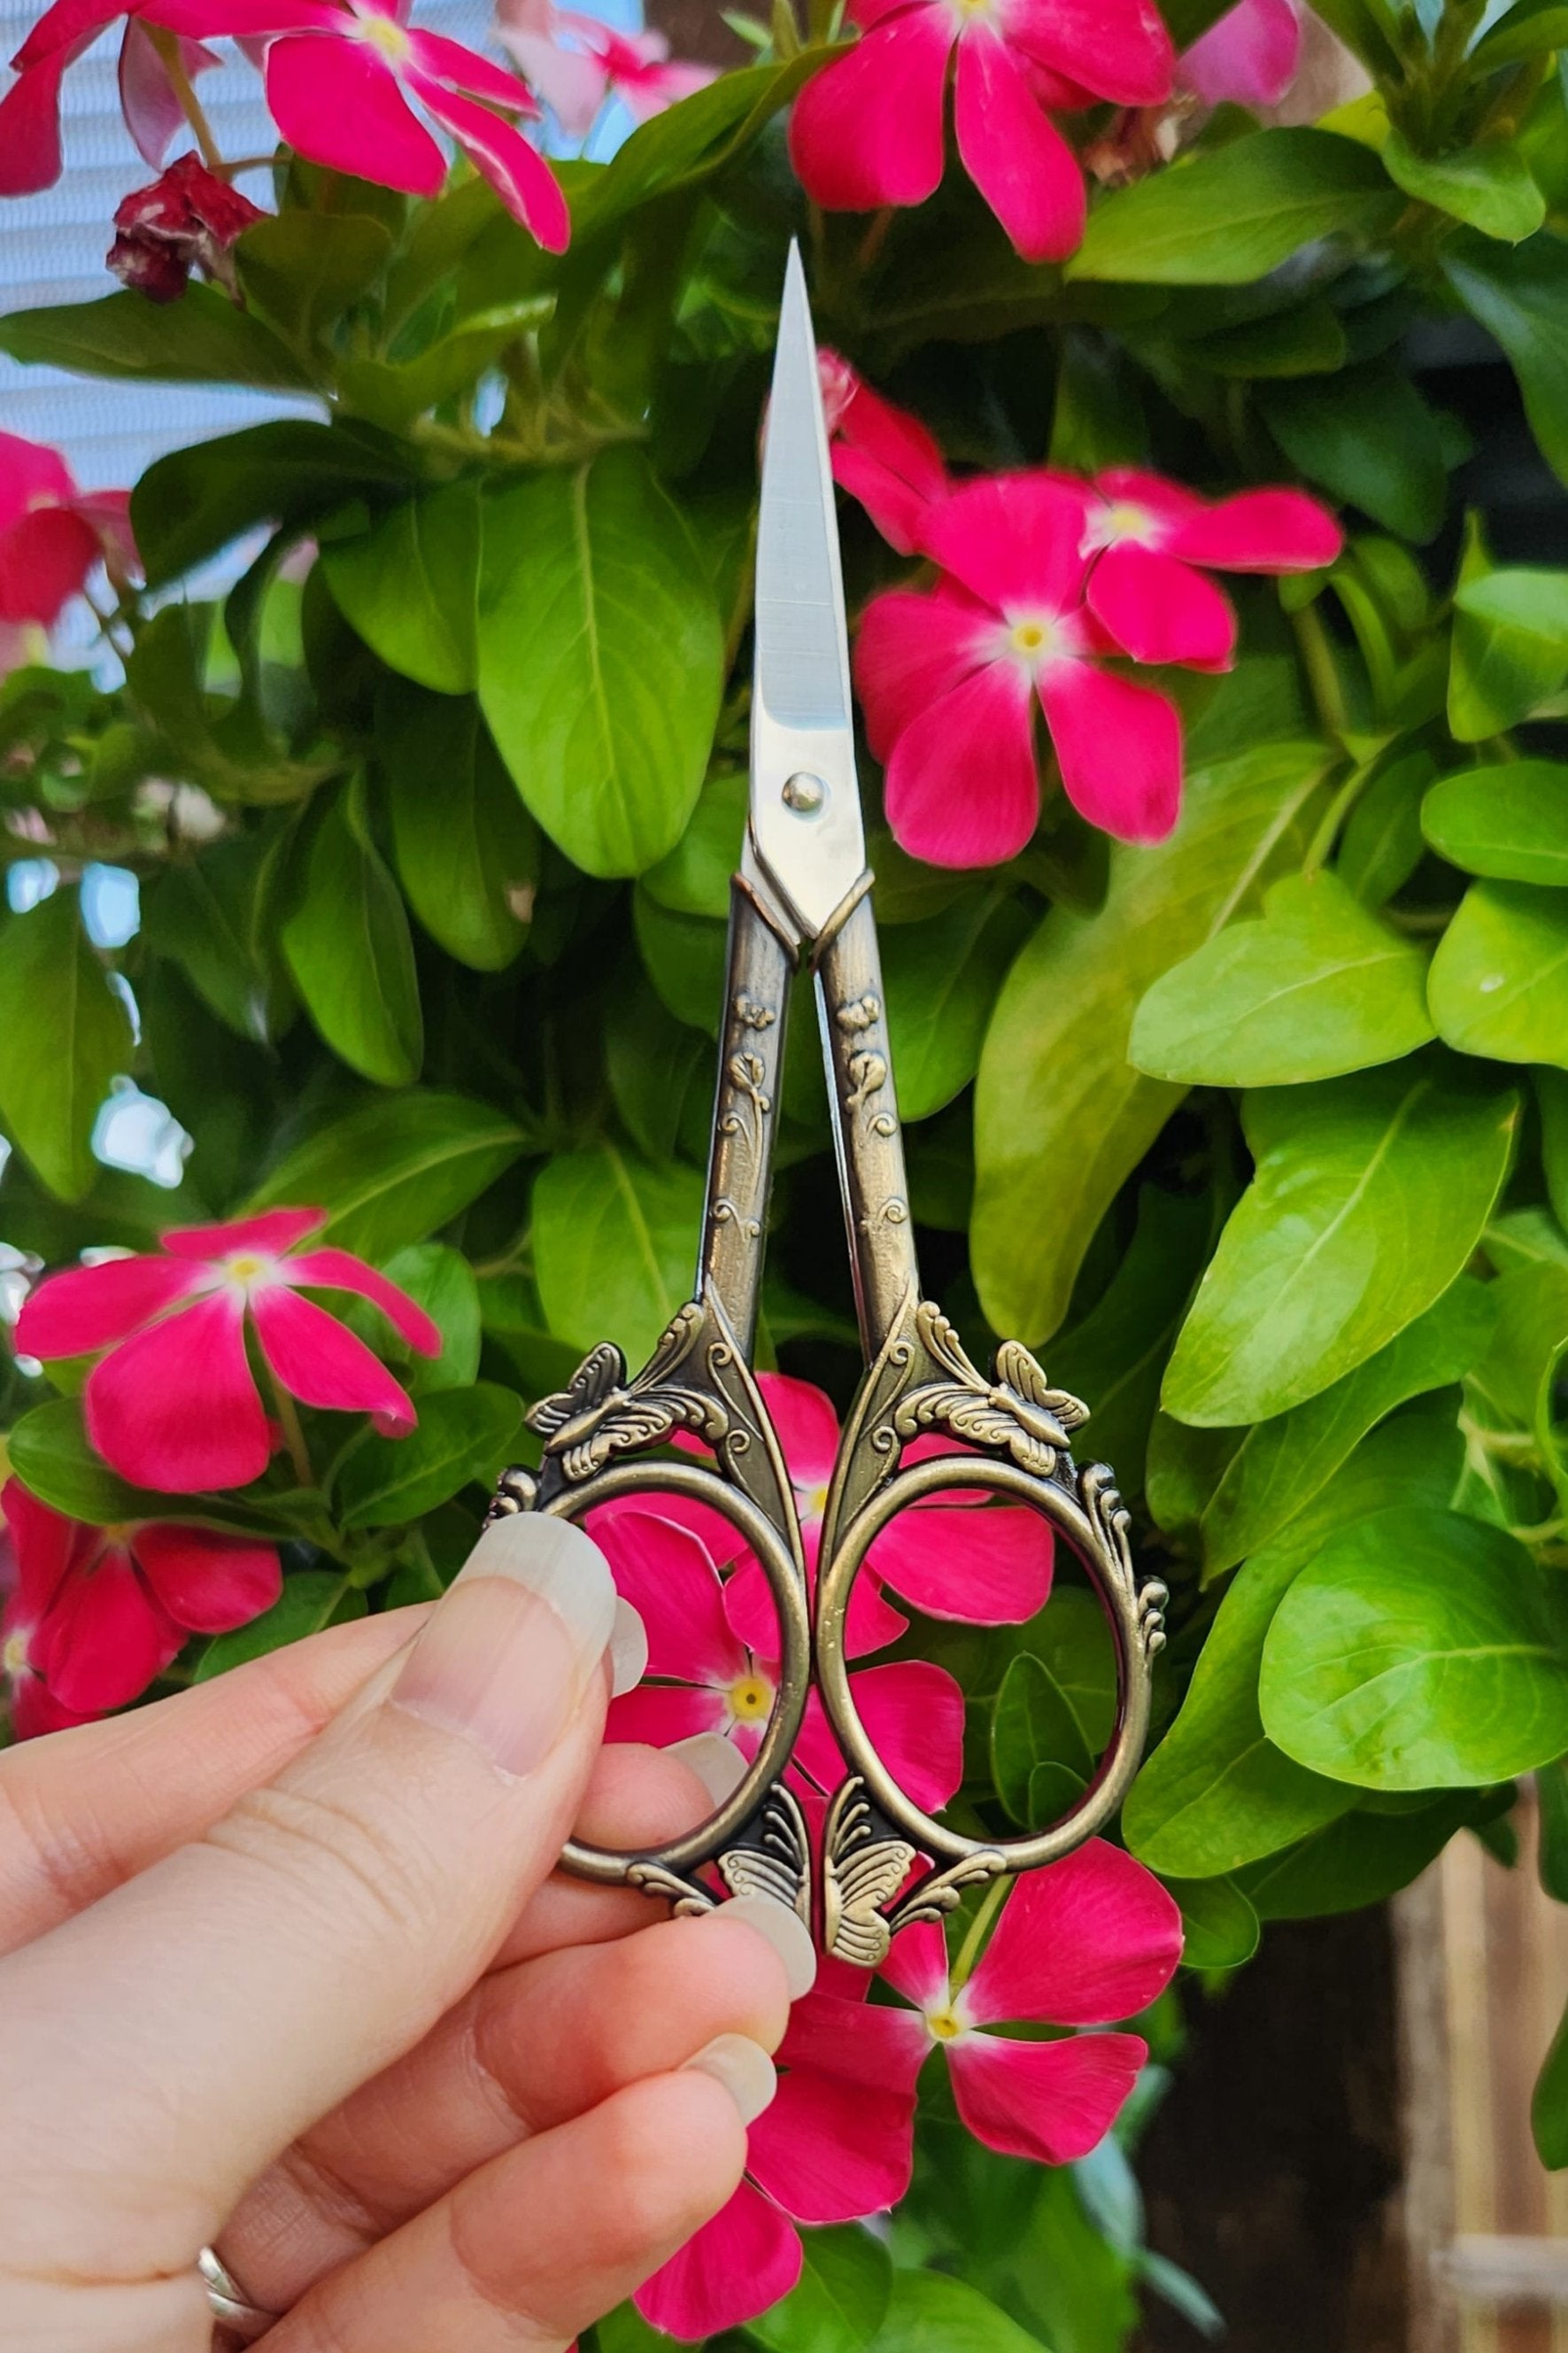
(804, 793)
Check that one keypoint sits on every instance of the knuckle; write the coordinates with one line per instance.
(327, 1847)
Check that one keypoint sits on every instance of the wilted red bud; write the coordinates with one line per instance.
(186, 220)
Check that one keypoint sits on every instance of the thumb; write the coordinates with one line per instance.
(162, 2047)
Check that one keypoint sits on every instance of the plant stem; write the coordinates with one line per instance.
(1339, 808)
(1322, 674)
(293, 1434)
(167, 45)
(969, 1951)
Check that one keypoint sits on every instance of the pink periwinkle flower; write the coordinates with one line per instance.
(1249, 57)
(94, 1614)
(171, 1402)
(869, 129)
(1086, 1941)
(882, 455)
(575, 63)
(30, 110)
(52, 534)
(837, 2145)
(188, 219)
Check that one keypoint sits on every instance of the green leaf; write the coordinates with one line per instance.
(1500, 978)
(439, 1279)
(1360, 1858)
(1416, 1651)
(600, 658)
(1519, 597)
(1509, 822)
(1281, 1464)
(1118, 1353)
(930, 2313)
(304, 269)
(1369, 439)
(1549, 2103)
(346, 941)
(942, 980)
(397, 1168)
(684, 958)
(194, 502)
(466, 850)
(409, 585)
(202, 915)
(613, 1242)
(1055, 1090)
(1219, 1927)
(1033, 1724)
(1525, 30)
(1520, 294)
(1313, 987)
(1305, 1285)
(311, 1598)
(204, 338)
(1488, 186)
(49, 1452)
(64, 1035)
(1232, 215)
(1552, 1856)
(1072, 1639)
(840, 2301)
(661, 1076)
(694, 879)
(1306, 341)
(1381, 846)
(462, 1435)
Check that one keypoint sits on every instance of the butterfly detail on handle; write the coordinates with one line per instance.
(601, 1413)
(1017, 1411)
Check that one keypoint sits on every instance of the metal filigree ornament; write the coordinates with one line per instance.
(803, 896)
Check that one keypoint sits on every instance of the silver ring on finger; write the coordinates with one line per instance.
(231, 2307)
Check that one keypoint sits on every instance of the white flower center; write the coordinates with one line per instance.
(751, 1698)
(945, 2024)
(1123, 519)
(382, 33)
(14, 1660)
(1032, 639)
(248, 1272)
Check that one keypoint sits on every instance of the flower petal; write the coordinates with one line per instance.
(806, 1423)
(831, 2151)
(663, 1570)
(31, 473)
(1260, 531)
(872, 1624)
(175, 1408)
(339, 1270)
(270, 1233)
(1052, 2102)
(882, 455)
(660, 1714)
(45, 560)
(105, 1638)
(1158, 609)
(65, 29)
(991, 1567)
(1087, 1940)
(855, 2042)
(45, 1544)
(1013, 151)
(960, 786)
(1015, 541)
(1120, 749)
(148, 98)
(337, 102)
(911, 650)
(501, 154)
(1118, 49)
(89, 1307)
(734, 2268)
(573, 84)
(30, 156)
(868, 129)
(446, 60)
(913, 1716)
(917, 1965)
(1249, 56)
(321, 1362)
(207, 1582)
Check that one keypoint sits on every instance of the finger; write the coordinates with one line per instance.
(316, 1933)
(82, 1811)
(528, 2049)
(535, 2246)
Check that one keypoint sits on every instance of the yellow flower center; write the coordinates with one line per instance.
(1126, 520)
(1034, 640)
(245, 1266)
(751, 1699)
(13, 1656)
(944, 2025)
(816, 1501)
(383, 33)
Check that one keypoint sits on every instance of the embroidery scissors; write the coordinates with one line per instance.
(803, 895)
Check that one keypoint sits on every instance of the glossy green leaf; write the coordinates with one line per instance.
(1304, 1285)
(202, 915)
(1232, 215)
(840, 2300)
(1368, 438)
(685, 959)
(1055, 1089)
(204, 338)
(1033, 1724)
(1381, 846)
(463, 1434)
(661, 1076)
(1498, 674)
(466, 850)
(1117, 1355)
(1549, 2103)
(1219, 1927)
(397, 1168)
(1072, 1638)
(1520, 294)
(303, 270)
(600, 658)
(941, 979)
(930, 2313)
(409, 585)
(615, 1240)
(1416, 1651)
(64, 1035)
(1305, 340)
(439, 1279)
(196, 502)
(1519, 597)
(1360, 1858)
(347, 944)
(1510, 821)
(311, 1598)
(1281, 1464)
(49, 1451)
(1311, 988)
(1500, 978)
(694, 879)
(1489, 186)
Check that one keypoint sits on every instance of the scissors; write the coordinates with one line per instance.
(803, 894)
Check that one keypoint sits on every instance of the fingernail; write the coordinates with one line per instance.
(629, 1650)
(508, 1653)
(717, 1763)
(785, 1930)
(745, 2069)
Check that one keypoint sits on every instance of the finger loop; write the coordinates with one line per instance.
(231, 2308)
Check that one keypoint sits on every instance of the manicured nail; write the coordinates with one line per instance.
(508, 1653)
(745, 2069)
(717, 1763)
(785, 1930)
(629, 1650)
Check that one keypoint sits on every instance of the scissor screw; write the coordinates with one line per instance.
(804, 793)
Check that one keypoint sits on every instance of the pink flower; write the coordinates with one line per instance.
(1250, 57)
(575, 63)
(869, 129)
(1146, 535)
(836, 2145)
(96, 1613)
(947, 682)
(1089, 1939)
(186, 220)
(30, 111)
(882, 455)
(172, 1403)
(701, 1677)
(51, 533)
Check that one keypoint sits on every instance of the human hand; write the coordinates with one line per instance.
(284, 1970)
